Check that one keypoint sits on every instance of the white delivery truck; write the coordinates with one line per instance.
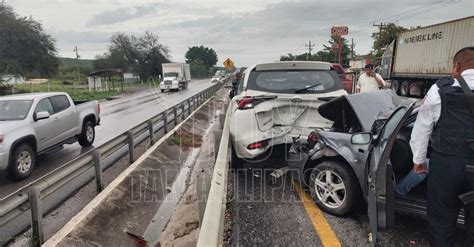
(419, 57)
(176, 76)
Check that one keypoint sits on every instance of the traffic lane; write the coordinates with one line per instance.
(262, 213)
(130, 115)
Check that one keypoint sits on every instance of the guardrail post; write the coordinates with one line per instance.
(151, 132)
(189, 107)
(36, 216)
(203, 186)
(175, 113)
(98, 170)
(131, 146)
(182, 111)
(165, 122)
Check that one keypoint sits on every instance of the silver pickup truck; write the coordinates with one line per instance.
(40, 123)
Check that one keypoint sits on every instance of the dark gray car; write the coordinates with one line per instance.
(361, 157)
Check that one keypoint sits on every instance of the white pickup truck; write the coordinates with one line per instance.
(40, 123)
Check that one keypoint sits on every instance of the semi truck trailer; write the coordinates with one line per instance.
(176, 76)
(419, 57)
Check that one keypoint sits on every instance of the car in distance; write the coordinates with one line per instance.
(40, 123)
(275, 101)
(216, 79)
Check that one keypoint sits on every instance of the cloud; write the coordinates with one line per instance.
(247, 31)
(123, 14)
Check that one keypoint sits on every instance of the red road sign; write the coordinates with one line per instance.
(339, 30)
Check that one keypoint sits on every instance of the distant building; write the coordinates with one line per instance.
(12, 79)
(359, 62)
(130, 78)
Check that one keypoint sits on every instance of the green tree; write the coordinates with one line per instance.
(207, 56)
(385, 37)
(143, 55)
(25, 49)
(199, 70)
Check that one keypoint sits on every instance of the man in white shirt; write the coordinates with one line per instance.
(446, 118)
(369, 81)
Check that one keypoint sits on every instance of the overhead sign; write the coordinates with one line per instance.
(339, 30)
(228, 63)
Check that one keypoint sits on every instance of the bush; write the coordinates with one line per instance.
(67, 82)
(4, 88)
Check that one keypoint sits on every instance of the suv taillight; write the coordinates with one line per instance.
(245, 103)
(257, 145)
(313, 139)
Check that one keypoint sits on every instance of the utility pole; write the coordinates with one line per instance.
(310, 49)
(381, 26)
(78, 72)
(352, 49)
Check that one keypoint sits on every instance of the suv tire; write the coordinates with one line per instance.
(236, 163)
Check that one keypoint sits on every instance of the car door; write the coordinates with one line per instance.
(46, 130)
(380, 185)
(65, 117)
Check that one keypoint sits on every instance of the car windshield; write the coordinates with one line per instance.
(171, 74)
(299, 81)
(11, 110)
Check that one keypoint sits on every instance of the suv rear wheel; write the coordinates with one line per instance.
(22, 162)
(236, 163)
(87, 137)
(334, 187)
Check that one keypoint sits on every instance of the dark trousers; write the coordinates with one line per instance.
(446, 181)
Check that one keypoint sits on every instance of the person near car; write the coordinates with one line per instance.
(369, 81)
(447, 119)
(410, 181)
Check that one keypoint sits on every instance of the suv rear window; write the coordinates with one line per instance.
(278, 81)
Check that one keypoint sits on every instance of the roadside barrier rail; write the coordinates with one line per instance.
(30, 197)
(212, 224)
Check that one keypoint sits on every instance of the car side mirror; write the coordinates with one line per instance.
(362, 138)
(41, 115)
(231, 93)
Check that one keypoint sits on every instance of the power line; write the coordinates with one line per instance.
(425, 9)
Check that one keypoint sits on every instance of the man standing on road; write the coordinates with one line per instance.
(447, 116)
(369, 81)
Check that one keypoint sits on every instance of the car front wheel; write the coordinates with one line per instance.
(334, 187)
(22, 162)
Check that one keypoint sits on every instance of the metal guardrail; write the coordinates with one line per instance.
(31, 195)
(212, 225)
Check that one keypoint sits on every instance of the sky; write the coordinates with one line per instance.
(247, 31)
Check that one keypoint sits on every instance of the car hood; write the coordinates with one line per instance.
(8, 126)
(367, 107)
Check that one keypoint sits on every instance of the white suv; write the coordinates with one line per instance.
(274, 102)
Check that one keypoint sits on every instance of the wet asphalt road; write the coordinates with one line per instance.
(272, 214)
(117, 116)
